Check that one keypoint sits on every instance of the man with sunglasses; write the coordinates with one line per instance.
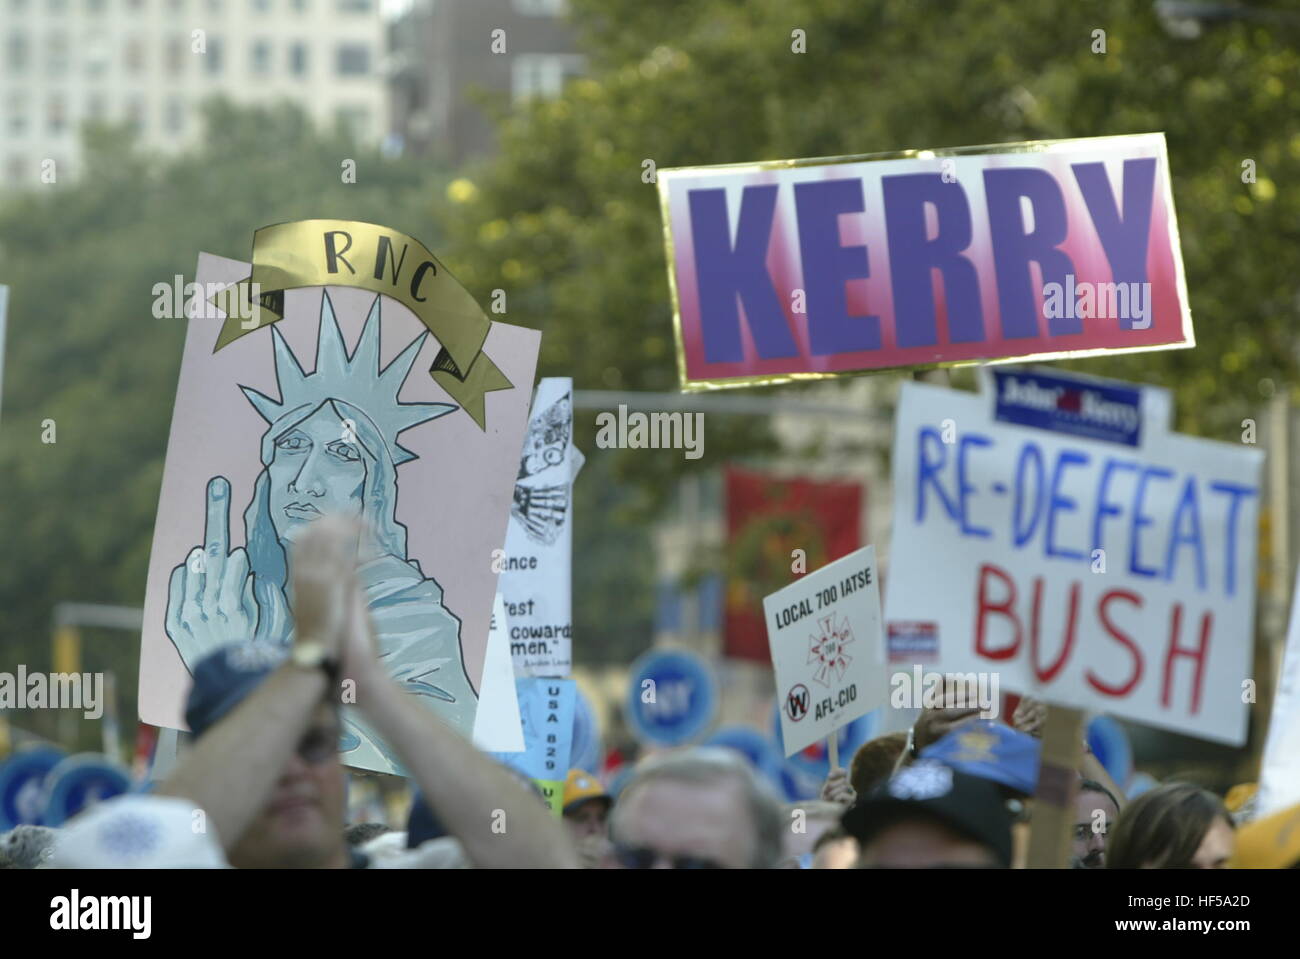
(263, 784)
(695, 809)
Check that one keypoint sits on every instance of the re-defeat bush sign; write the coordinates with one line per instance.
(1095, 560)
(799, 269)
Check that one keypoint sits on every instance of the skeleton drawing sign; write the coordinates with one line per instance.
(537, 574)
(330, 410)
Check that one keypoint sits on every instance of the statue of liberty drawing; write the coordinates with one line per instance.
(330, 447)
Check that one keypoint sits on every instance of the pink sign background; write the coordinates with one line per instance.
(1170, 317)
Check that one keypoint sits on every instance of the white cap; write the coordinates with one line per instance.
(139, 832)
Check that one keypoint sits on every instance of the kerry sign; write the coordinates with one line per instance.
(802, 269)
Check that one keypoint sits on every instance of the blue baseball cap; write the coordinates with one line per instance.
(223, 678)
(990, 750)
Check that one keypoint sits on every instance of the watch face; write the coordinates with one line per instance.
(309, 654)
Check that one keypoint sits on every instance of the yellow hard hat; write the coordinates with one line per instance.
(580, 786)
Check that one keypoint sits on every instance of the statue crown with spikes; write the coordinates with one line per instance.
(356, 380)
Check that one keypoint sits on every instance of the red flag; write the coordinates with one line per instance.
(767, 520)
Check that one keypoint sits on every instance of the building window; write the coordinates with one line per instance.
(300, 6)
(212, 59)
(95, 109)
(355, 6)
(135, 114)
(56, 115)
(57, 58)
(261, 60)
(56, 6)
(176, 6)
(260, 6)
(17, 168)
(16, 52)
(134, 58)
(16, 121)
(97, 54)
(298, 59)
(542, 74)
(95, 6)
(176, 47)
(174, 116)
(542, 8)
(353, 60)
(215, 6)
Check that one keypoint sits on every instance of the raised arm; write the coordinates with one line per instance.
(499, 823)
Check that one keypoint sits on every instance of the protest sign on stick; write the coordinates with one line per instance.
(546, 707)
(537, 568)
(1052, 531)
(352, 383)
(803, 269)
(824, 633)
(1279, 775)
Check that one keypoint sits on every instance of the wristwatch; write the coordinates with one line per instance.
(312, 655)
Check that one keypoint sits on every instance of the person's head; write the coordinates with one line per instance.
(1175, 826)
(835, 849)
(930, 815)
(875, 760)
(586, 806)
(301, 823)
(695, 808)
(1095, 812)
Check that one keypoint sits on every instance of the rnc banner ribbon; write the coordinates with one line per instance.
(375, 258)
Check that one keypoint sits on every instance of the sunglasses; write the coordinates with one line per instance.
(643, 857)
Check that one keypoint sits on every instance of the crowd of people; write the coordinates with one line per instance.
(263, 786)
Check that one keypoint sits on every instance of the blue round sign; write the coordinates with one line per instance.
(672, 697)
(22, 777)
(79, 782)
(755, 747)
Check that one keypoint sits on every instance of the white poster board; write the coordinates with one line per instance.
(497, 728)
(1279, 774)
(824, 633)
(1115, 575)
(537, 570)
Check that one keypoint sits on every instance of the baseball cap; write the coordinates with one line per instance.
(581, 787)
(990, 750)
(970, 805)
(224, 677)
(1269, 843)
